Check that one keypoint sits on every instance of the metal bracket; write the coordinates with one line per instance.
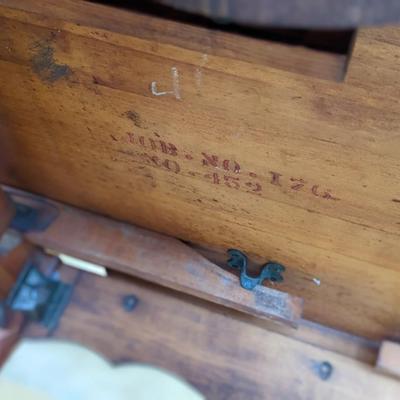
(41, 298)
(32, 214)
(270, 271)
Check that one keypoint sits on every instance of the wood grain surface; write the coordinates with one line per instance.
(292, 58)
(225, 357)
(160, 259)
(213, 149)
(147, 255)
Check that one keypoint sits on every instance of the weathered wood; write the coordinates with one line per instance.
(389, 358)
(235, 154)
(222, 355)
(159, 259)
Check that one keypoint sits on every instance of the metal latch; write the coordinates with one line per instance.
(41, 298)
(270, 271)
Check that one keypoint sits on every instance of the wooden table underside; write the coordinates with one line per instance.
(236, 153)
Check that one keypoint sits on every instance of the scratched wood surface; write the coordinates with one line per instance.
(215, 150)
(224, 356)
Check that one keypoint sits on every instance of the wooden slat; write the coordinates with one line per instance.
(291, 58)
(318, 188)
(224, 356)
(102, 235)
(160, 259)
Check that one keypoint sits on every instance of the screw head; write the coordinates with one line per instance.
(129, 302)
(325, 370)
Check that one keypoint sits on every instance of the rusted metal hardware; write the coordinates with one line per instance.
(324, 370)
(24, 212)
(323, 14)
(32, 213)
(129, 302)
(40, 297)
(270, 271)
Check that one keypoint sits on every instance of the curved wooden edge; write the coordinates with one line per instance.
(89, 377)
(221, 354)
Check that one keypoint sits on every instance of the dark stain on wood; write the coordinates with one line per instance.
(396, 200)
(97, 80)
(135, 117)
(45, 66)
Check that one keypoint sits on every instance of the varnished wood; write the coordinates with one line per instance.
(316, 162)
(222, 355)
(159, 259)
(104, 244)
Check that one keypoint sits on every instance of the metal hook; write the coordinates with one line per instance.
(270, 271)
